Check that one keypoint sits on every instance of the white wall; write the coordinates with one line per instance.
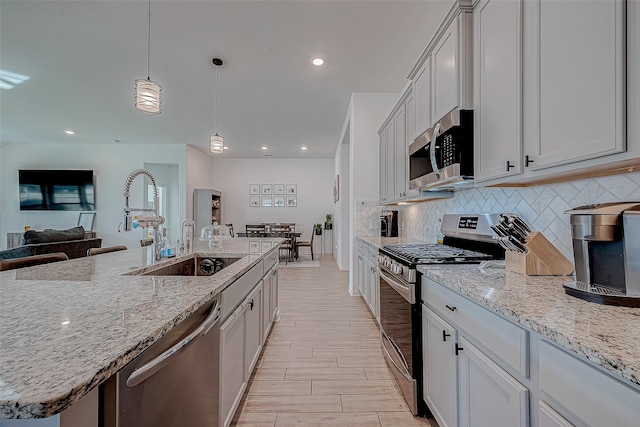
(199, 175)
(314, 178)
(111, 164)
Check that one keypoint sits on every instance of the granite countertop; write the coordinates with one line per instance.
(604, 334)
(66, 327)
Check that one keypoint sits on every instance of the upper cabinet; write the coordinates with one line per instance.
(442, 77)
(550, 98)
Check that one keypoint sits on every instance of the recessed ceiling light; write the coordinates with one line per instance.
(303, 147)
(69, 132)
(318, 61)
(264, 147)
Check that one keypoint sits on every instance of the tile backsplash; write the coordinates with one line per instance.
(541, 206)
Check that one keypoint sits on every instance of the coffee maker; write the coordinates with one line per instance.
(389, 223)
(606, 246)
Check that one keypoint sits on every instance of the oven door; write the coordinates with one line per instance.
(396, 300)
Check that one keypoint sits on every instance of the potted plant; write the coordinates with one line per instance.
(318, 228)
(328, 223)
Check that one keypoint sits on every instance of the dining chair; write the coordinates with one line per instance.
(255, 230)
(304, 244)
(230, 229)
(28, 261)
(98, 251)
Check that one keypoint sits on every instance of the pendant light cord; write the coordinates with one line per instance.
(216, 100)
(149, 42)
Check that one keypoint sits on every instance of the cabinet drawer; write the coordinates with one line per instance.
(235, 293)
(506, 341)
(573, 386)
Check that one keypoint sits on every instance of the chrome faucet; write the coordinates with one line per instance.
(188, 230)
(154, 220)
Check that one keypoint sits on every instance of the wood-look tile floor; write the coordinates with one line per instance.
(322, 364)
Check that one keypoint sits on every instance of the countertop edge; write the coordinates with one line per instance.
(610, 364)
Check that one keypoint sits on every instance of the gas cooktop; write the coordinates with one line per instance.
(425, 253)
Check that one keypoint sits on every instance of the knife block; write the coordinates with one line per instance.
(540, 259)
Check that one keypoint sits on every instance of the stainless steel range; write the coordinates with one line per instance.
(467, 239)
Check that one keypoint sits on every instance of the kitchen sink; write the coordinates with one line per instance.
(196, 266)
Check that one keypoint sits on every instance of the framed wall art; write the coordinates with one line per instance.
(254, 189)
(278, 201)
(278, 189)
(254, 201)
(267, 189)
(267, 201)
(292, 201)
(292, 189)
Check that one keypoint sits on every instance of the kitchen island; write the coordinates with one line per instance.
(66, 327)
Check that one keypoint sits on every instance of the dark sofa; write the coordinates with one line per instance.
(71, 242)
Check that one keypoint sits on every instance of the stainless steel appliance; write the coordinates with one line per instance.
(467, 239)
(174, 382)
(442, 157)
(606, 247)
(389, 223)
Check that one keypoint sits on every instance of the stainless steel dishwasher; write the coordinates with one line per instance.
(174, 383)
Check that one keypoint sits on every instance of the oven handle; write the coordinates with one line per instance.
(408, 291)
(404, 371)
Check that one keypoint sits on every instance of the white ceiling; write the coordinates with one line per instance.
(84, 56)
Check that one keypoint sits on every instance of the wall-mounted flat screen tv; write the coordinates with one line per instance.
(56, 190)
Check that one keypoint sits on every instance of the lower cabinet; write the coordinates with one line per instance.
(368, 279)
(253, 328)
(269, 301)
(489, 396)
(233, 378)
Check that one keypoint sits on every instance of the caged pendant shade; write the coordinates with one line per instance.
(216, 142)
(148, 94)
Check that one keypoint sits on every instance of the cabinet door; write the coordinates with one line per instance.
(498, 89)
(410, 113)
(253, 325)
(232, 365)
(274, 294)
(267, 288)
(382, 173)
(575, 90)
(550, 418)
(361, 273)
(373, 290)
(390, 156)
(489, 396)
(422, 98)
(400, 156)
(445, 67)
(439, 368)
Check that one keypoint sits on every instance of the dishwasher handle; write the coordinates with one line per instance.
(148, 369)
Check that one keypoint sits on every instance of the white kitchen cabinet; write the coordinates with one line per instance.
(368, 277)
(582, 392)
(387, 153)
(551, 99)
(440, 385)
(443, 75)
(233, 378)
(253, 324)
(489, 396)
(464, 385)
(549, 418)
(497, 111)
(269, 300)
(422, 97)
(400, 154)
(273, 307)
(574, 81)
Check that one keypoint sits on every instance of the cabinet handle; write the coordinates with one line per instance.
(454, 308)
(509, 165)
(251, 305)
(445, 335)
(527, 160)
(458, 348)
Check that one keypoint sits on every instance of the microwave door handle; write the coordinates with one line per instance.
(432, 149)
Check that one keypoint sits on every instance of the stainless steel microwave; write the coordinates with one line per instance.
(443, 155)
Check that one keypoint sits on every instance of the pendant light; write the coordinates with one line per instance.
(148, 94)
(216, 141)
